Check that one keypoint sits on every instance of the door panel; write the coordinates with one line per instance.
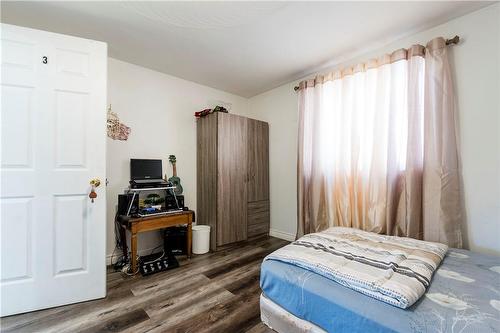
(232, 179)
(206, 174)
(17, 219)
(70, 235)
(71, 128)
(17, 122)
(53, 144)
(258, 160)
(18, 59)
(72, 62)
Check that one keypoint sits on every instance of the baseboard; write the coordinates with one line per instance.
(118, 254)
(282, 235)
(272, 232)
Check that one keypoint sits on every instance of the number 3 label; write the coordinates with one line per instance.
(44, 60)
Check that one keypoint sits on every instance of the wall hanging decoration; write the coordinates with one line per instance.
(116, 130)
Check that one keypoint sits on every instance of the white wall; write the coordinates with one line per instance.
(279, 108)
(159, 108)
(476, 72)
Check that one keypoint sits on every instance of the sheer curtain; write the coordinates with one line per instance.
(378, 148)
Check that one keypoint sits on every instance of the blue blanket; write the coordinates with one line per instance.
(464, 296)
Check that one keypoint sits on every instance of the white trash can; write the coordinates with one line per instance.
(201, 239)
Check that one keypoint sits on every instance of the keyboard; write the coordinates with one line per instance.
(147, 181)
(144, 213)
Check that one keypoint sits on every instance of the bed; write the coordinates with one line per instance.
(464, 296)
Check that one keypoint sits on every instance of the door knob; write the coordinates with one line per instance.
(94, 183)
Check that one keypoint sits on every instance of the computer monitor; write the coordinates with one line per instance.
(145, 169)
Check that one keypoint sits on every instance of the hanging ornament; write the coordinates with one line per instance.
(116, 130)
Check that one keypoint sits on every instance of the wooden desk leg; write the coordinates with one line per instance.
(189, 238)
(123, 238)
(133, 249)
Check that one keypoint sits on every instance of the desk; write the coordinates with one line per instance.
(142, 224)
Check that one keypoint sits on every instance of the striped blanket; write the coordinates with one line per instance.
(395, 270)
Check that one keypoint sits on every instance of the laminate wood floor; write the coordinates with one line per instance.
(215, 292)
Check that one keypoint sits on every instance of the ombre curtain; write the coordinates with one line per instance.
(378, 149)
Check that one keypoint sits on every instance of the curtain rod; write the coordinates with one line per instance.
(451, 41)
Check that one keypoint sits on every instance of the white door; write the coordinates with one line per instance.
(53, 136)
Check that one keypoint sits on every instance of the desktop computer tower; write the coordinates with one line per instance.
(174, 240)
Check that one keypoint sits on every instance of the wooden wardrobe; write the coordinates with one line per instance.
(232, 177)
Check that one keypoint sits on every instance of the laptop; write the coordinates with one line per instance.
(146, 172)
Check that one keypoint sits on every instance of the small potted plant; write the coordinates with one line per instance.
(153, 200)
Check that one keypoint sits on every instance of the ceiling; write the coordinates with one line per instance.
(244, 48)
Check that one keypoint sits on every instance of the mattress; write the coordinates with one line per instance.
(395, 270)
(464, 296)
(280, 320)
